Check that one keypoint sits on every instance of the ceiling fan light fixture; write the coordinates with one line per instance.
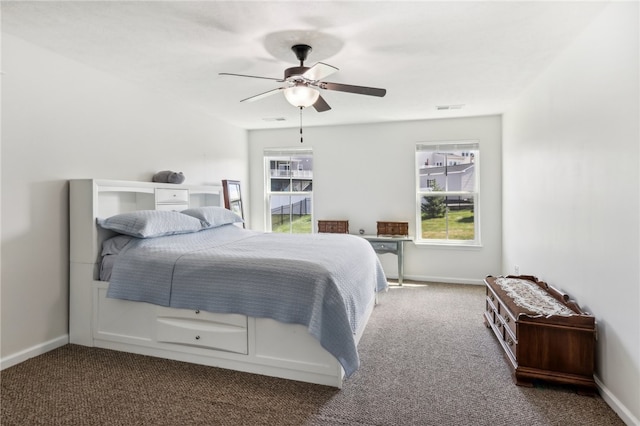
(301, 96)
(302, 84)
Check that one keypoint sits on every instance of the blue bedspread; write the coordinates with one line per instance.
(323, 281)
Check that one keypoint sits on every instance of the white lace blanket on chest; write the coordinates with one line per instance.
(530, 296)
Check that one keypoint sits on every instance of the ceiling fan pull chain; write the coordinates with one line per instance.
(300, 124)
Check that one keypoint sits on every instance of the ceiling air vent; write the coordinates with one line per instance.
(448, 107)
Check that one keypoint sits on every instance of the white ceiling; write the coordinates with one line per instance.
(478, 54)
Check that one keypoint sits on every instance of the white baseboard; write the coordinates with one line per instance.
(33, 351)
(621, 410)
(449, 280)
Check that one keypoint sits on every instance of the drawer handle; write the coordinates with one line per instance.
(506, 318)
(197, 337)
(492, 298)
(510, 341)
(197, 311)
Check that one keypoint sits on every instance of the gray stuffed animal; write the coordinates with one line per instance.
(167, 176)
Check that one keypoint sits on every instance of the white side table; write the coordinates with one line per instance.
(394, 245)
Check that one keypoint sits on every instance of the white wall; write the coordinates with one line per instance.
(62, 120)
(571, 185)
(366, 173)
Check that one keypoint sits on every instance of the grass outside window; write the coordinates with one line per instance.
(288, 224)
(461, 226)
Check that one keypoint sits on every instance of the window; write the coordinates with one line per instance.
(447, 192)
(289, 190)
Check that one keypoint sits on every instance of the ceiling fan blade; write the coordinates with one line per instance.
(360, 90)
(321, 105)
(250, 76)
(263, 95)
(319, 71)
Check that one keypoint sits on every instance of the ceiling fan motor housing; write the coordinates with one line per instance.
(301, 51)
(293, 71)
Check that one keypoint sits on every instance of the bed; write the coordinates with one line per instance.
(288, 306)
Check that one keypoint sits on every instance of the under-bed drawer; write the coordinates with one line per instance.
(229, 319)
(225, 332)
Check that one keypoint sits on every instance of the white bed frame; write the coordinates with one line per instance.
(236, 342)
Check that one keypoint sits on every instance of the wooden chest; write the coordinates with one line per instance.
(545, 335)
(393, 228)
(333, 226)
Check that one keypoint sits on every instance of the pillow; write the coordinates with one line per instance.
(213, 216)
(151, 223)
(115, 244)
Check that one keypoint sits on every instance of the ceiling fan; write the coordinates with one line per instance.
(302, 83)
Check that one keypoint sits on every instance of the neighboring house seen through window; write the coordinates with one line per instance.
(447, 192)
(289, 190)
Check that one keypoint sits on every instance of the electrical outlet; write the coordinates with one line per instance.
(516, 269)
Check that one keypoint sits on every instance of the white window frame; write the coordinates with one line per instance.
(268, 154)
(471, 145)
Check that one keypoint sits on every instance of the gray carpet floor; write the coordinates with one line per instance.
(426, 359)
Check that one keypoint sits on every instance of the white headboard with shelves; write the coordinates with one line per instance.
(90, 199)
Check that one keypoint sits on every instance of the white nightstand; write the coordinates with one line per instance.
(392, 244)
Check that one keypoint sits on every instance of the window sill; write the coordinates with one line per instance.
(448, 246)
